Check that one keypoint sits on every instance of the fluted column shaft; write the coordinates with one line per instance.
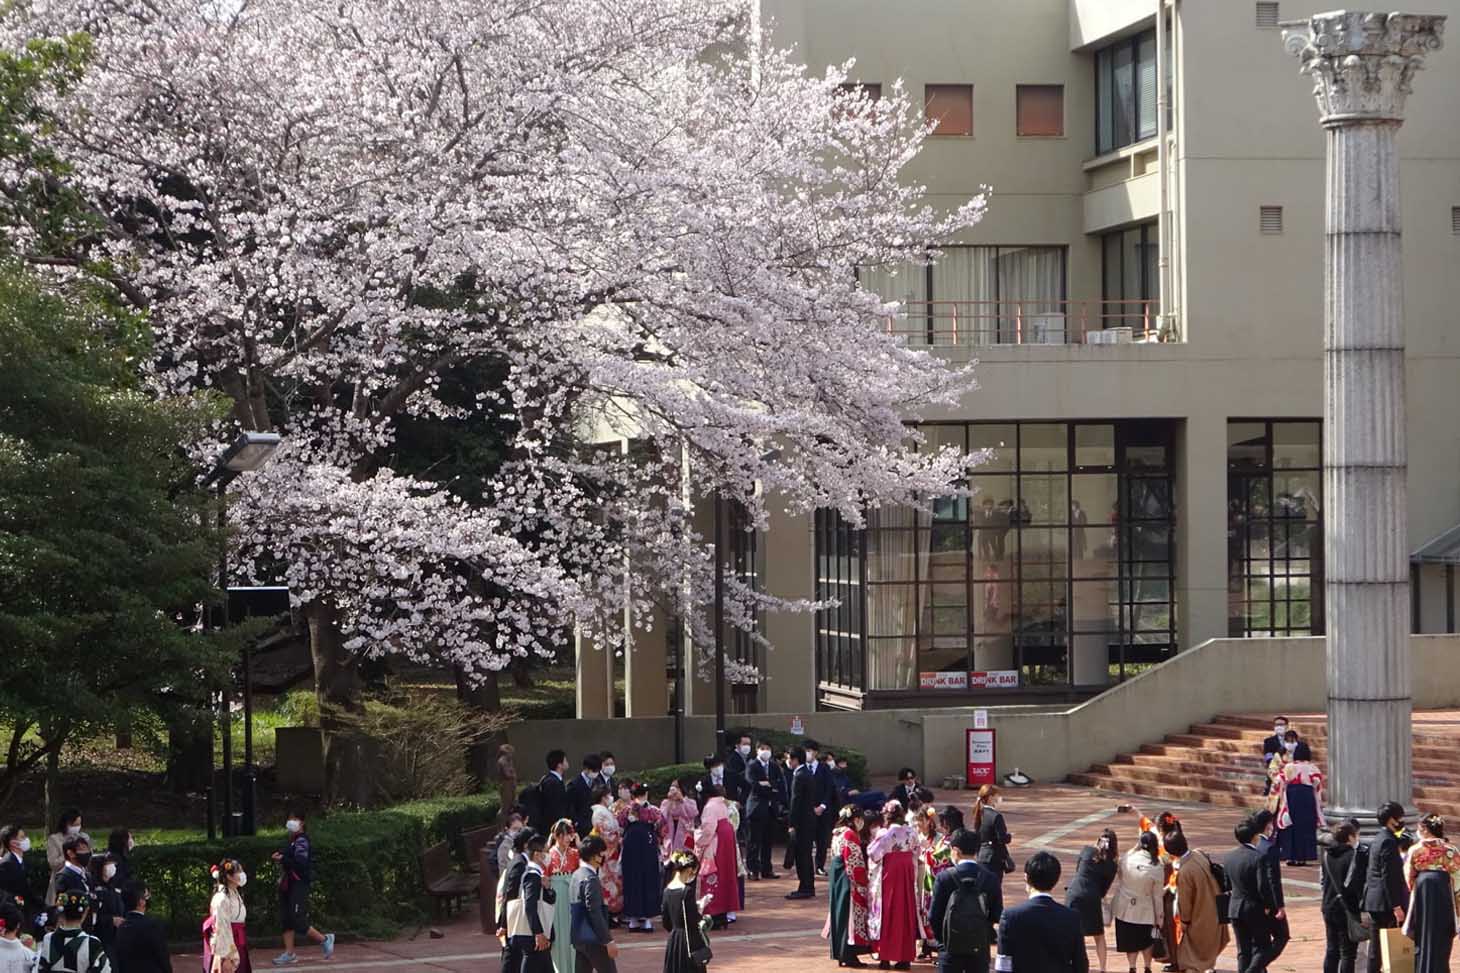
(1366, 588)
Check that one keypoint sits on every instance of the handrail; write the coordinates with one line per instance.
(1021, 322)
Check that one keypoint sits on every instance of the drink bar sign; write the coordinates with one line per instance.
(994, 679)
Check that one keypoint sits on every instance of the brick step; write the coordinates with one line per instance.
(1168, 792)
(1154, 775)
(1314, 729)
(1432, 757)
(1192, 760)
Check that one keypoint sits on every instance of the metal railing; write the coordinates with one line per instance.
(1036, 322)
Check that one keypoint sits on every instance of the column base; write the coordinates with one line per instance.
(1368, 823)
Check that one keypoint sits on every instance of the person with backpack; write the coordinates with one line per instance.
(296, 873)
(968, 902)
(1201, 898)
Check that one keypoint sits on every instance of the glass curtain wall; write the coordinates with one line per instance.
(1274, 527)
(1057, 572)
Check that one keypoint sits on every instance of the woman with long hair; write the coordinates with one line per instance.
(718, 855)
(848, 904)
(680, 814)
(925, 822)
(895, 924)
(683, 915)
(562, 862)
(1137, 901)
(225, 935)
(1432, 870)
(1340, 902)
(993, 834)
(644, 830)
(70, 824)
(1300, 807)
(1094, 875)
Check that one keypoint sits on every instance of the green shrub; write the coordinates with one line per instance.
(780, 739)
(367, 872)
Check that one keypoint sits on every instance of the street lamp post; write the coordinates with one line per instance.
(248, 452)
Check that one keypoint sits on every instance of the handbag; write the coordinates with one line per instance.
(703, 955)
(1357, 931)
(1008, 860)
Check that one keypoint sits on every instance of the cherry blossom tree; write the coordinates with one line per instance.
(645, 220)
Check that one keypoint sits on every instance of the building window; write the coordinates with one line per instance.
(840, 659)
(1125, 92)
(746, 562)
(1058, 572)
(976, 295)
(1274, 527)
(1040, 109)
(1130, 265)
(949, 107)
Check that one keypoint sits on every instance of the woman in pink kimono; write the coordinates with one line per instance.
(719, 859)
(925, 822)
(610, 874)
(895, 924)
(681, 813)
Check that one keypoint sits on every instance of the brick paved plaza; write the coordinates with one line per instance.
(1058, 817)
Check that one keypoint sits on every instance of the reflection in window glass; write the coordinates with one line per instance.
(1094, 445)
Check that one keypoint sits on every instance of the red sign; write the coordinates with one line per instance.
(979, 749)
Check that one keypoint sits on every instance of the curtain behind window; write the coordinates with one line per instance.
(1031, 294)
(966, 275)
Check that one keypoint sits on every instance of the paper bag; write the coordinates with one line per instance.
(1398, 951)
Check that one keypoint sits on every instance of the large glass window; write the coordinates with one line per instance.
(1274, 527)
(1130, 260)
(747, 565)
(1058, 571)
(1125, 92)
(840, 659)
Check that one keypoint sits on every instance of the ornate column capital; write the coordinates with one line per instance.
(1362, 63)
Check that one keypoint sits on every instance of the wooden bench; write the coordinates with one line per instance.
(446, 887)
(474, 841)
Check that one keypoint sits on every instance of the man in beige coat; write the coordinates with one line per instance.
(1200, 934)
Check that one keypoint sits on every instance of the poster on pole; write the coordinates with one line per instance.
(980, 752)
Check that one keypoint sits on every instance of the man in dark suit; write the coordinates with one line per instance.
(1385, 893)
(141, 945)
(1272, 747)
(972, 878)
(1040, 935)
(803, 823)
(552, 793)
(907, 786)
(511, 889)
(590, 933)
(1256, 909)
(824, 796)
(762, 807)
(1265, 823)
(737, 788)
(528, 934)
(580, 794)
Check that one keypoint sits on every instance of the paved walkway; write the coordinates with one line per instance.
(1058, 818)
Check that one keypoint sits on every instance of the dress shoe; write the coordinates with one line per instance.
(801, 895)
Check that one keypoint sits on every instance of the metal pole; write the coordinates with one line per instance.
(719, 632)
(225, 712)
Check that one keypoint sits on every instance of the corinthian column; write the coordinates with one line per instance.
(1362, 65)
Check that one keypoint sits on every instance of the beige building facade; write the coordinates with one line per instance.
(1144, 300)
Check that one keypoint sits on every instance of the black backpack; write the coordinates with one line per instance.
(1224, 890)
(966, 930)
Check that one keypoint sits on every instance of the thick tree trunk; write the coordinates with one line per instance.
(481, 759)
(521, 674)
(336, 687)
(53, 785)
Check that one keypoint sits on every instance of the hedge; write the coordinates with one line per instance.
(367, 871)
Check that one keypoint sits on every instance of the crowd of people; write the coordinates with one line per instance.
(92, 916)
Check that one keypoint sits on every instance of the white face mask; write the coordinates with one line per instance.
(73, 829)
(293, 826)
(716, 773)
(108, 871)
(1279, 730)
(743, 750)
(764, 755)
(242, 879)
(24, 845)
(1290, 747)
(608, 770)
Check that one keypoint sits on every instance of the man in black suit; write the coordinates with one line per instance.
(1040, 935)
(1256, 909)
(590, 933)
(737, 788)
(971, 878)
(580, 794)
(1272, 747)
(527, 933)
(825, 806)
(1385, 893)
(141, 945)
(1265, 824)
(907, 787)
(512, 952)
(552, 793)
(803, 823)
(762, 807)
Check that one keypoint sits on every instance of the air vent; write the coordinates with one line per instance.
(1455, 220)
(1270, 219)
(1267, 14)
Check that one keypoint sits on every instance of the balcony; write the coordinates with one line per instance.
(975, 324)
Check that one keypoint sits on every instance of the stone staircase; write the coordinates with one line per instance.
(1220, 762)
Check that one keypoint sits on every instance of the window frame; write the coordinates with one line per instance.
(1020, 89)
(928, 89)
(1106, 98)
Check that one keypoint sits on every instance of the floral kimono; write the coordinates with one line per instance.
(681, 816)
(847, 867)
(1432, 870)
(895, 922)
(611, 875)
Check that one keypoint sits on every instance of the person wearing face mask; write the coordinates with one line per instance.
(530, 915)
(610, 872)
(75, 874)
(680, 814)
(714, 777)
(1272, 747)
(225, 935)
(580, 792)
(107, 911)
(763, 806)
(736, 761)
(70, 948)
(14, 886)
(609, 765)
(296, 872)
(119, 845)
(823, 789)
(69, 826)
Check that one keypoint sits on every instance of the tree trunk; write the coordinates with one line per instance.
(336, 687)
(189, 752)
(53, 784)
(521, 674)
(487, 698)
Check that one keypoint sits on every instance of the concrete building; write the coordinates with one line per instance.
(1144, 300)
